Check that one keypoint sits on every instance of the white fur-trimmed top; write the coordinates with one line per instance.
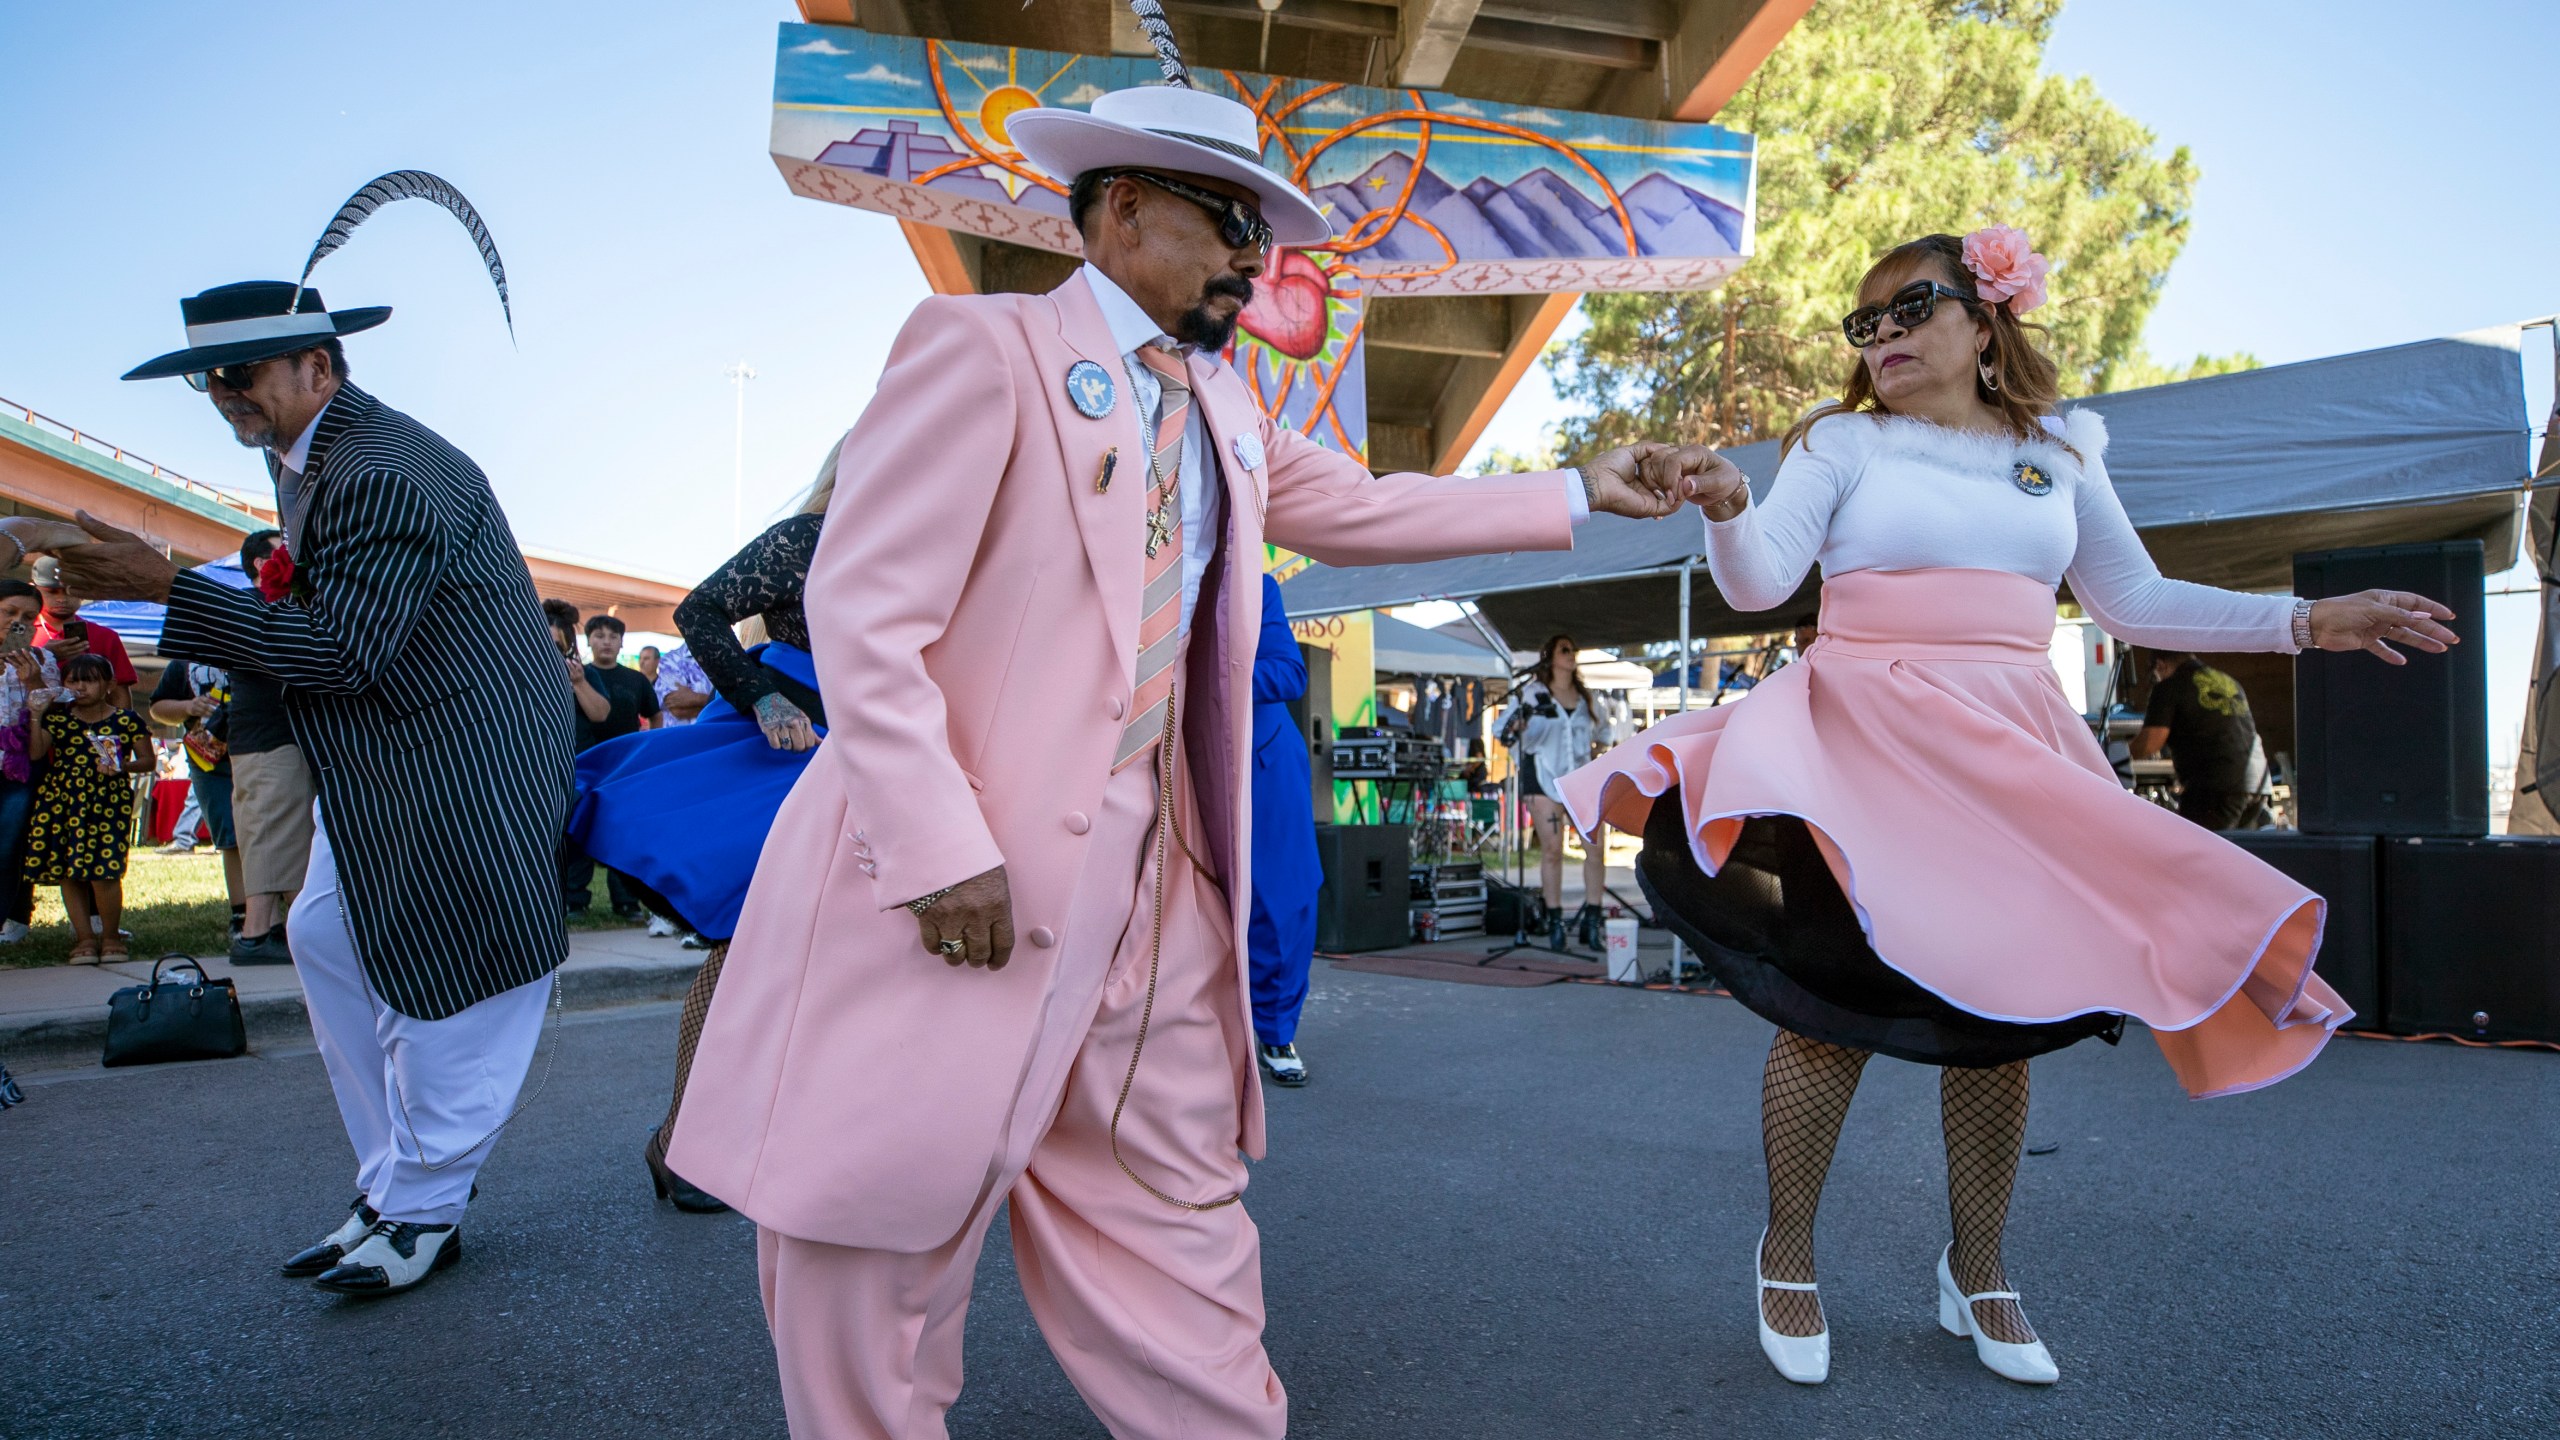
(1883, 492)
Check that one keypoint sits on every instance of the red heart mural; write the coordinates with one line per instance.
(1288, 308)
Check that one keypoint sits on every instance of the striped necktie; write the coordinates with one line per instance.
(1160, 602)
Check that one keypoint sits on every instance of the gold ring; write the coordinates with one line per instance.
(952, 947)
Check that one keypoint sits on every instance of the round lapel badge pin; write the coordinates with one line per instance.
(2028, 476)
(1089, 387)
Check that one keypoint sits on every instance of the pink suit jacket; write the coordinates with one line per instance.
(973, 608)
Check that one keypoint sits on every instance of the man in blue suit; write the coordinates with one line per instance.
(1286, 874)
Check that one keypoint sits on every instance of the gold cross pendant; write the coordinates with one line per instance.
(1159, 527)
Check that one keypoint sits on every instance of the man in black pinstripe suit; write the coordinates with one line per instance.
(422, 685)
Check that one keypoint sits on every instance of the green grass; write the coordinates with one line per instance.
(601, 917)
(171, 902)
(176, 903)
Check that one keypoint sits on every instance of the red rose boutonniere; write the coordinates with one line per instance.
(275, 576)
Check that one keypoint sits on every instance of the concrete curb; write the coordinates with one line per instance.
(68, 1039)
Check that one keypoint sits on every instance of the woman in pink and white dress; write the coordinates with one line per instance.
(1908, 843)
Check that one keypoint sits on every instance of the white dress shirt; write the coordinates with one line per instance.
(299, 456)
(289, 482)
(1133, 331)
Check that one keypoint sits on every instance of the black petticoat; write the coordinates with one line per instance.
(1773, 927)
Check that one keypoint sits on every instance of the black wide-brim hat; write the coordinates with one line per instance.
(253, 320)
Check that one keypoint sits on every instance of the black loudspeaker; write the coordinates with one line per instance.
(1366, 902)
(2340, 869)
(2395, 749)
(2471, 937)
(1509, 910)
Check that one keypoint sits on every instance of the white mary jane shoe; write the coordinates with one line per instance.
(1805, 1359)
(2028, 1364)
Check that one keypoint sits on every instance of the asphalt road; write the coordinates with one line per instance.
(1496, 1213)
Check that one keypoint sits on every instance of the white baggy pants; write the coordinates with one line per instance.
(420, 1098)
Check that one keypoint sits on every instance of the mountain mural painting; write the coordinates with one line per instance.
(1429, 193)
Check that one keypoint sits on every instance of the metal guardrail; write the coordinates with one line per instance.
(122, 456)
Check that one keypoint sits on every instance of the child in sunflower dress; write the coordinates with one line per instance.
(83, 821)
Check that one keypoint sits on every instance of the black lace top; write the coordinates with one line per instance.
(763, 579)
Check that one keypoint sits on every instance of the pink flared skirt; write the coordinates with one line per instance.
(1978, 846)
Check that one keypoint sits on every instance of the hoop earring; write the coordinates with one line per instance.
(1990, 376)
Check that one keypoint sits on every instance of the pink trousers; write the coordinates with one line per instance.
(1153, 1310)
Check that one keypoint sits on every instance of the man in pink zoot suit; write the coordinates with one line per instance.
(1033, 612)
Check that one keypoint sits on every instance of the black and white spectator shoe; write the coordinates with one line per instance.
(393, 1256)
(1281, 1066)
(307, 1263)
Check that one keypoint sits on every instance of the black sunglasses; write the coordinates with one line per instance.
(233, 377)
(1910, 308)
(1239, 225)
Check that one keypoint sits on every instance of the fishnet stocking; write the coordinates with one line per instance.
(1805, 1092)
(1985, 1112)
(697, 1004)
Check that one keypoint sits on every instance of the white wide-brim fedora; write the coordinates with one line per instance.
(1169, 127)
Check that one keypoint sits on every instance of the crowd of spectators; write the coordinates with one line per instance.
(614, 695)
(74, 737)
(69, 740)
(73, 743)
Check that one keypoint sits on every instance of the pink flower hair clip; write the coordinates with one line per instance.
(2006, 268)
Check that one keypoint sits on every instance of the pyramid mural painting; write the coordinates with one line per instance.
(1429, 193)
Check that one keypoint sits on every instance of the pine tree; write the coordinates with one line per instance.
(1880, 121)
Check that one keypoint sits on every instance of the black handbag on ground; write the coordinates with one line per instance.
(175, 1019)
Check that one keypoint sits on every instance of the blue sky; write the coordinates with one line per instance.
(157, 148)
(2371, 175)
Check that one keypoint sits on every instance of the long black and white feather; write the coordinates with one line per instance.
(414, 185)
(1159, 32)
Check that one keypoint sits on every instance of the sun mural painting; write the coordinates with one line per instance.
(1429, 193)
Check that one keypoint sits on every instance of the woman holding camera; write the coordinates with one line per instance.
(1551, 730)
(1908, 843)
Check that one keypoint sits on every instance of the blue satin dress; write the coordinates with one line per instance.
(685, 810)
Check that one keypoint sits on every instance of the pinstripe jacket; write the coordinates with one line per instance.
(423, 687)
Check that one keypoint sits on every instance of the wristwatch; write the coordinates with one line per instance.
(922, 903)
(2301, 624)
